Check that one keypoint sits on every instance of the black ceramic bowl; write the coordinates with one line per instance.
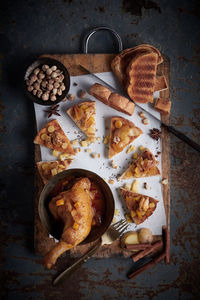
(51, 62)
(47, 219)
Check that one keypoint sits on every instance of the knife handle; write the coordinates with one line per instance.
(183, 137)
(70, 270)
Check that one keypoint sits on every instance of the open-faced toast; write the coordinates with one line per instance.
(52, 136)
(122, 133)
(141, 73)
(84, 115)
(144, 166)
(140, 206)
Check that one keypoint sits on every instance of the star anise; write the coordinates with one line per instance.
(53, 110)
(155, 134)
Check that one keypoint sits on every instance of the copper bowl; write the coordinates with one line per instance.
(48, 220)
(51, 62)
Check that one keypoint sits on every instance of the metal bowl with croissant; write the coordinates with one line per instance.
(75, 206)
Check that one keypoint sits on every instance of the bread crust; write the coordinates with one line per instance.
(113, 100)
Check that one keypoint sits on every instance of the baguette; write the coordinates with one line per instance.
(113, 100)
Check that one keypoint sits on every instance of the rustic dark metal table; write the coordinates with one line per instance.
(30, 28)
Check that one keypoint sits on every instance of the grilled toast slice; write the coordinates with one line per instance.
(141, 73)
(120, 63)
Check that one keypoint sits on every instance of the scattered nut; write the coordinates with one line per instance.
(141, 114)
(145, 121)
(135, 186)
(93, 155)
(130, 149)
(84, 143)
(82, 94)
(164, 181)
(74, 142)
(113, 164)
(77, 150)
(88, 150)
(98, 155)
(71, 97)
(98, 139)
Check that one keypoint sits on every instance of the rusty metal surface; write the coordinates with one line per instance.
(30, 28)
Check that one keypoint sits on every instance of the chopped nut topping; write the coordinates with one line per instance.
(164, 181)
(116, 139)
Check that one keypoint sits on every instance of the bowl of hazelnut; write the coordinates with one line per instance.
(47, 81)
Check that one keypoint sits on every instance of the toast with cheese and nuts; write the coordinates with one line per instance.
(84, 115)
(52, 136)
(113, 100)
(140, 206)
(141, 73)
(48, 169)
(144, 166)
(120, 63)
(122, 133)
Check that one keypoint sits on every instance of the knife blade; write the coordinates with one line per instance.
(170, 128)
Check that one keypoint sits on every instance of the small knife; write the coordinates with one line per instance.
(171, 129)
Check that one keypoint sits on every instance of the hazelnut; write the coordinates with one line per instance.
(49, 71)
(60, 77)
(53, 68)
(30, 88)
(82, 94)
(56, 85)
(45, 67)
(71, 97)
(45, 96)
(59, 92)
(41, 75)
(36, 85)
(52, 97)
(33, 78)
(50, 87)
(36, 71)
(54, 91)
(54, 74)
(51, 81)
(39, 94)
(27, 82)
(34, 92)
(62, 87)
(44, 83)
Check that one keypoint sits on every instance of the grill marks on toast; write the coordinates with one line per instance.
(141, 74)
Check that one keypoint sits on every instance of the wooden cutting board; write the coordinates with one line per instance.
(97, 63)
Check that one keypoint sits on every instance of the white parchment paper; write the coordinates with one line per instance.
(102, 166)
